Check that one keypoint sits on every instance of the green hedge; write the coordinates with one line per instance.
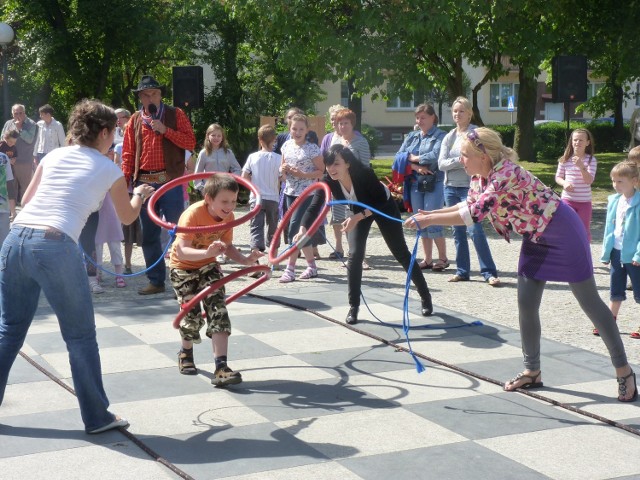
(551, 138)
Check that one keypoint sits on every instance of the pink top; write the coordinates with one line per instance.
(571, 173)
(513, 199)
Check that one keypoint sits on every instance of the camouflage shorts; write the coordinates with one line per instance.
(188, 283)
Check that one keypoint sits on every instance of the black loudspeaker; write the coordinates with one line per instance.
(188, 87)
(569, 78)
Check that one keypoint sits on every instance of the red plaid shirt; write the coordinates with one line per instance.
(152, 155)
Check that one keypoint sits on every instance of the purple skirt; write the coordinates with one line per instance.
(562, 254)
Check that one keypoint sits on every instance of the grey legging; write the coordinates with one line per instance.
(529, 297)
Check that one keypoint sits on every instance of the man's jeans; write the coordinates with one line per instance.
(171, 206)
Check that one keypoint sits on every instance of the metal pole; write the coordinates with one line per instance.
(5, 84)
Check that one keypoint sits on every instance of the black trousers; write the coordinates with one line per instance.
(393, 235)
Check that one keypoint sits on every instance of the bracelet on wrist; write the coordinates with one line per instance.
(141, 195)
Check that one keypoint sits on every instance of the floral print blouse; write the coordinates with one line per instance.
(300, 157)
(513, 199)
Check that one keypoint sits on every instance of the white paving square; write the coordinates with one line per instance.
(123, 461)
(116, 359)
(187, 414)
(154, 333)
(568, 453)
(36, 397)
(315, 340)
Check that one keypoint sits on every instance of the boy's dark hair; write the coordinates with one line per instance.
(11, 134)
(218, 182)
(46, 108)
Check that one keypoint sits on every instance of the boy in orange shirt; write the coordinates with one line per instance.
(194, 267)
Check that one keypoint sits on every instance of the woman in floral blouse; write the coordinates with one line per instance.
(554, 248)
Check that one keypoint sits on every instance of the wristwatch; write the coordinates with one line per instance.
(141, 195)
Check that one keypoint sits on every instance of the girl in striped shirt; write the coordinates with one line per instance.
(576, 172)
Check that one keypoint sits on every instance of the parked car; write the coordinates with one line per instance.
(542, 122)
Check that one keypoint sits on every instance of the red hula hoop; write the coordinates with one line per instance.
(273, 250)
(184, 309)
(151, 210)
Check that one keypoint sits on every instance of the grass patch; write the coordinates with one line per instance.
(546, 172)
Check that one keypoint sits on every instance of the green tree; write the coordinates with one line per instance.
(66, 51)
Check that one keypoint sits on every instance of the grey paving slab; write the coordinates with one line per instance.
(459, 461)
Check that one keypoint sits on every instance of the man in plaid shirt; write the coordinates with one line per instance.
(155, 140)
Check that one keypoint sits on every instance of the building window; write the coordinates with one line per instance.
(638, 94)
(408, 101)
(499, 95)
(593, 88)
(344, 93)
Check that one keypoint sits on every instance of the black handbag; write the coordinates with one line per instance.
(426, 183)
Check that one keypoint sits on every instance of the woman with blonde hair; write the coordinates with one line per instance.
(554, 248)
(456, 189)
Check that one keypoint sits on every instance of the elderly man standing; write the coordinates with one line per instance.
(153, 153)
(23, 166)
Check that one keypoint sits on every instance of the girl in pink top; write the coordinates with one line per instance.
(576, 172)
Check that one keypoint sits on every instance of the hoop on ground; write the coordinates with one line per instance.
(220, 283)
(273, 257)
(151, 210)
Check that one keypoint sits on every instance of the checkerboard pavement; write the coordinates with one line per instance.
(319, 400)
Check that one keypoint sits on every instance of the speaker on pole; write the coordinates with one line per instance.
(188, 87)
(569, 78)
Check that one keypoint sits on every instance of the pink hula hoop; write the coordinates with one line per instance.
(273, 250)
(205, 228)
(185, 308)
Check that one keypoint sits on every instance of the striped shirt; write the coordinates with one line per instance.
(571, 174)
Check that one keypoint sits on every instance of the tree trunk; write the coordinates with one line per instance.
(527, 97)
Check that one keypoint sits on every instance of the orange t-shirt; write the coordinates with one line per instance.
(197, 215)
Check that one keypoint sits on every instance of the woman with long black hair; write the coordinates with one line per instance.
(348, 179)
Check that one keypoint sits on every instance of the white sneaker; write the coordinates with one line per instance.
(95, 287)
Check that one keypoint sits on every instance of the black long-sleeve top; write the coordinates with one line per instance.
(368, 190)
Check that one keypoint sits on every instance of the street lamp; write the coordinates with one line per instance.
(6, 37)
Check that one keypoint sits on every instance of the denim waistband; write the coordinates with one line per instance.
(46, 233)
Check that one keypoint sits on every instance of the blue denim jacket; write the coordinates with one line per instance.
(427, 147)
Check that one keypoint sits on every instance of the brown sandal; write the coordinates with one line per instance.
(186, 364)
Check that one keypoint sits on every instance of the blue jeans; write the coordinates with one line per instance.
(429, 201)
(171, 205)
(32, 260)
(453, 196)
(618, 278)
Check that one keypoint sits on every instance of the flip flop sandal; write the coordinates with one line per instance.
(457, 278)
(186, 364)
(635, 334)
(425, 266)
(528, 385)
(336, 255)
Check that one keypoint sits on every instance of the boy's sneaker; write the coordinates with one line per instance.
(224, 376)
(309, 273)
(94, 286)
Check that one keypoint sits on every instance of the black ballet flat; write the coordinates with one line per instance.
(352, 316)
